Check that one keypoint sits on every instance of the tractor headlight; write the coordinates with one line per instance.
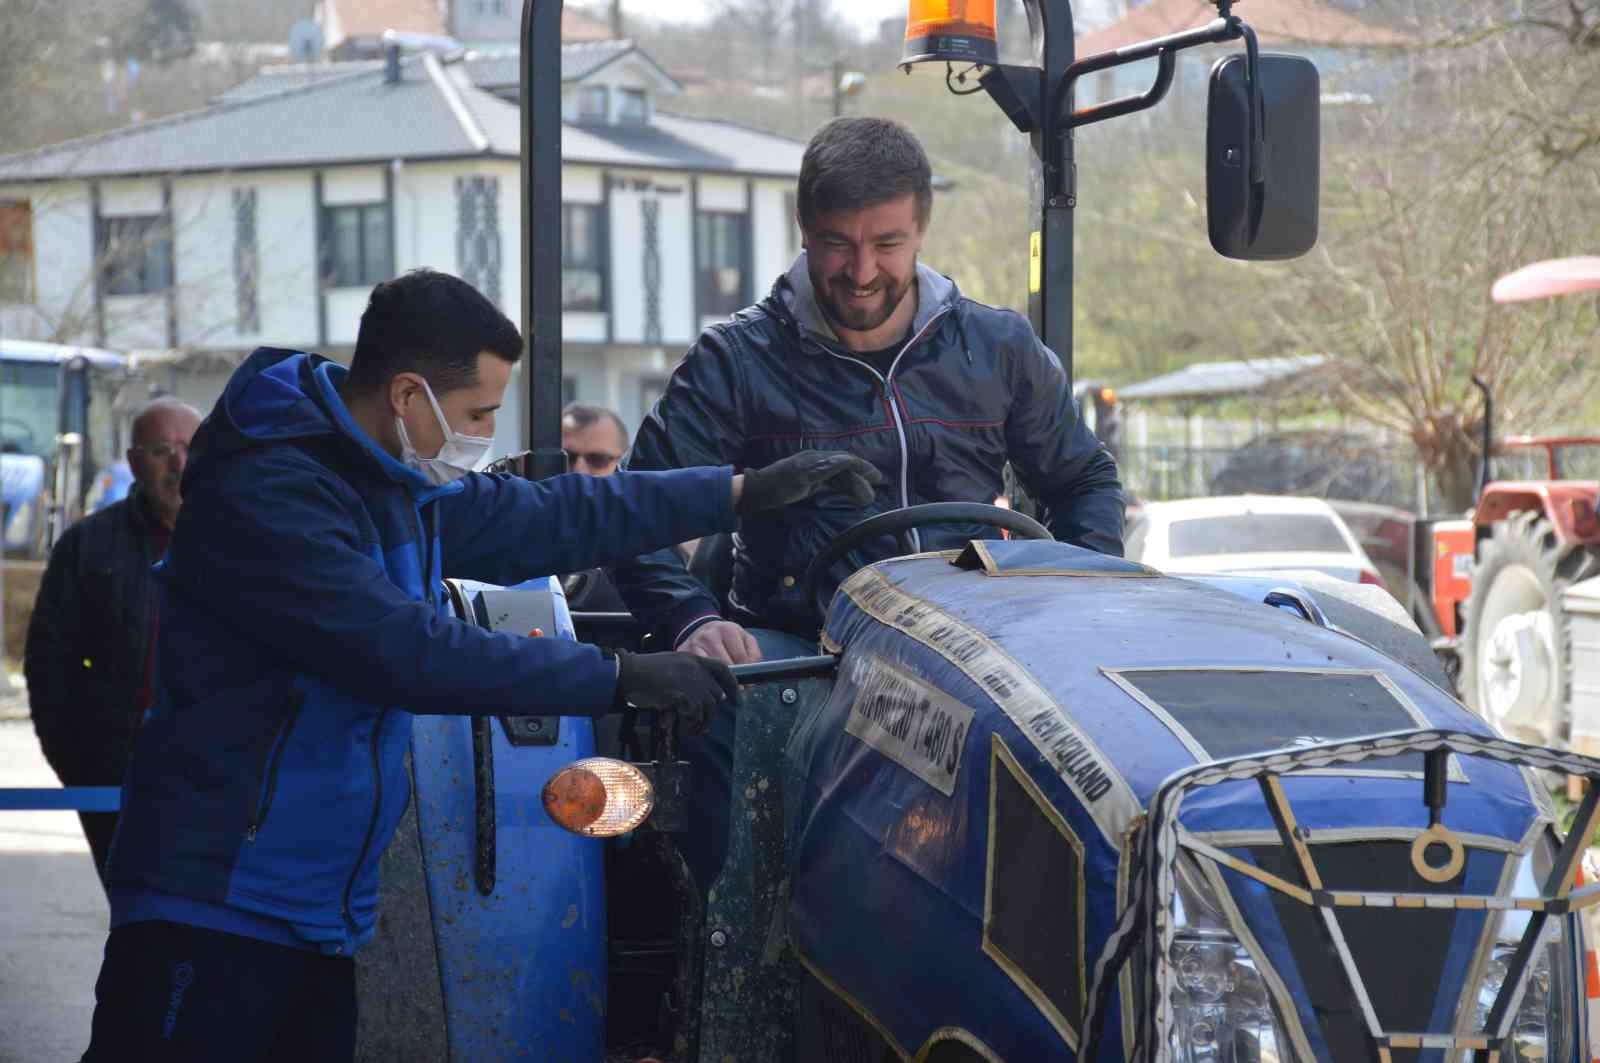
(1543, 1029)
(1221, 1010)
(599, 797)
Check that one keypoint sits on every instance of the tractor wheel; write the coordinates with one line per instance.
(1515, 645)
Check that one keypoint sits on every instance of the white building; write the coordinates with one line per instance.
(267, 218)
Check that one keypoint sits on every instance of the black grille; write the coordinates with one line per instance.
(1401, 953)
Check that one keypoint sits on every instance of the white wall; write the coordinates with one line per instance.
(63, 265)
(286, 233)
(776, 239)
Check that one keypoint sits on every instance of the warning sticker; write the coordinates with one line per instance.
(914, 724)
(1103, 792)
(1035, 263)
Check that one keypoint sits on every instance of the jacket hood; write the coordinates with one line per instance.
(280, 396)
(794, 300)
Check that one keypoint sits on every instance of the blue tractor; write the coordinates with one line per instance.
(63, 413)
(1030, 803)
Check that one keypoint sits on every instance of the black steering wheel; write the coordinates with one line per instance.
(900, 522)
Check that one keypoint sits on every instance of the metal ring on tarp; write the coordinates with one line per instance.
(1438, 834)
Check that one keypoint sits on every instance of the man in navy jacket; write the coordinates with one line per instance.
(302, 626)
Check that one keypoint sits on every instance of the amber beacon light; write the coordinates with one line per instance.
(957, 31)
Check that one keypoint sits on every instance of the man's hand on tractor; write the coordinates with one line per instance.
(799, 476)
(675, 682)
(722, 640)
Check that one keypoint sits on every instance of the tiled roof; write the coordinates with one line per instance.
(433, 111)
(1276, 22)
(496, 69)
(1217, 379)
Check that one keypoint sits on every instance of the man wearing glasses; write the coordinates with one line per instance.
(88, 659)
(594, 439)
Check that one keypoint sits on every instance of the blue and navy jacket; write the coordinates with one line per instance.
(302, 625)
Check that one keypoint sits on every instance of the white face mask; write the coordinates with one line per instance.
(459, 455)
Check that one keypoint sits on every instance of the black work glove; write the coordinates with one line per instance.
(677, 682)
(799, 476)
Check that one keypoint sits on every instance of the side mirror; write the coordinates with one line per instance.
(1266, 207)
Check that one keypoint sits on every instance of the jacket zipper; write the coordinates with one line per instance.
(894, 409)
(372, 825)
(425, 549)
(275, 760)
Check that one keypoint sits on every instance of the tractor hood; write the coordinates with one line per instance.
(1002, 721)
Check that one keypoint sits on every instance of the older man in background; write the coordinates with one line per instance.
(594, 439)
(89, 651)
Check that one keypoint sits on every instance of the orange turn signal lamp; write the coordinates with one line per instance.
(956, 31)
(599, 797)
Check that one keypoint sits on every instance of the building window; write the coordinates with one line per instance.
(136, 254)
(16, 251)
(720, 262)
(246, 260)
(651, 388)
(594, 103)
(582, 257)
(478, 233)
(791, 221)
(358, 245)
(633, 107)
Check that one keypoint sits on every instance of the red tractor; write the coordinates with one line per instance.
(1500, 578)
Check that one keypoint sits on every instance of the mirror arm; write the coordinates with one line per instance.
(1167, 61)
(1258, 108)
(1163, 49)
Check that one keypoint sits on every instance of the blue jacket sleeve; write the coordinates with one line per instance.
(504, 529)
(270, 548)
(1058, 459)
(697, 421)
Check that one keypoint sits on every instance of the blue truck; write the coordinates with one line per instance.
(63, 431)
(1029, 803)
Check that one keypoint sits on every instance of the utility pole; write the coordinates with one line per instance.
(616, 19)
(838, 87)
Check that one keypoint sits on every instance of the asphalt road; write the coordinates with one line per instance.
(54, 926)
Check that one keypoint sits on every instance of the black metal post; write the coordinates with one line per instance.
(541, 234)
(1053, 182)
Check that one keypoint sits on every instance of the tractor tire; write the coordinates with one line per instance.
(1515, 644)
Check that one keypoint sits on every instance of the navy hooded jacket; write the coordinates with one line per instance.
(298, 634)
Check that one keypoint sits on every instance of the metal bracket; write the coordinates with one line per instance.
(1018, 91)
(670, 780)
(531, 730)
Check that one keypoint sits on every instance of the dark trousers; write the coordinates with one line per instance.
(169, 993)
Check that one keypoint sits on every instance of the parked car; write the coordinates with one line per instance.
(1249, 533)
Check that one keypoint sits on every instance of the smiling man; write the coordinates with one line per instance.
(303, 623)
(862, 349)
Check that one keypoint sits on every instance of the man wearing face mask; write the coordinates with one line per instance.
(302, 625)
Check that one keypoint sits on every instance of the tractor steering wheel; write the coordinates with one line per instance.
(899, 522)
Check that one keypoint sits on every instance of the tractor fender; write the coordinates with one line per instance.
(1372, 615)
(1569, 506)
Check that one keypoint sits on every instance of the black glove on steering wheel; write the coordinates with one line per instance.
(810, 472)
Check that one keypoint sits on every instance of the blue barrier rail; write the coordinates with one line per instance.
(61, 799)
